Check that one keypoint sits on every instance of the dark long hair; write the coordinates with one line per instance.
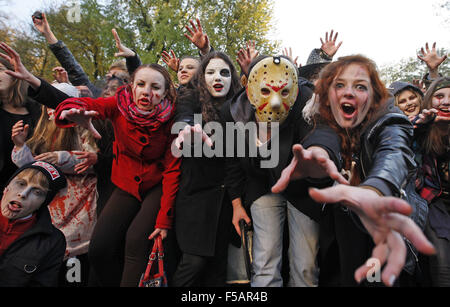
(210, 105)
(434, 142)
(350, 139)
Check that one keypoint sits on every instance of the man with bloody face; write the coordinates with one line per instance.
(274, 98)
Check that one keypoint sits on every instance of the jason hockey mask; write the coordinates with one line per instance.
(272, 89)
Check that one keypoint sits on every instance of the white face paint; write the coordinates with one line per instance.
(218, 78)
(22, 197)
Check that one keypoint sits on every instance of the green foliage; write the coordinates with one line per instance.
(146, 26)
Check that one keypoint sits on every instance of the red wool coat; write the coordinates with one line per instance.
(141, 158)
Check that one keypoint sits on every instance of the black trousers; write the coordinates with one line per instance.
(119, 247)
(203, 271)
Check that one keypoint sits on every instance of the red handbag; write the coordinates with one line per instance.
(154, 275)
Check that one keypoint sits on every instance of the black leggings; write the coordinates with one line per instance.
(119, 247)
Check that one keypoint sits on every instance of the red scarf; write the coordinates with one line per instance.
(153, 119)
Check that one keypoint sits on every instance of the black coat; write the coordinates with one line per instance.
(203, 210)
(7, 120)
(35, 258)
(247, 180)
(386, 160)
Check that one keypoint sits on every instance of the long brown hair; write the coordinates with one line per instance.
(436, 140)
(17, 93)
(350, 140)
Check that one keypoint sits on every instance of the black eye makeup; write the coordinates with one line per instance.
(225, 72)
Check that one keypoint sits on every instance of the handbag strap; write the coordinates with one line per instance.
(151, 258)
(160, 254)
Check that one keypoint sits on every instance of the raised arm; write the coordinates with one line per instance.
(432, 60)
(198, 37)
(329, 45)
(77, 75)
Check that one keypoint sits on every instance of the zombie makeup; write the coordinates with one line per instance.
(408, 102)
(350, 96)
(218, 78)
(22, 197)
(272, 89)
(148, 89)
(441, 101)
(186, 70)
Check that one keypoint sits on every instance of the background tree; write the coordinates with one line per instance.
(149, 27)
(411, 68)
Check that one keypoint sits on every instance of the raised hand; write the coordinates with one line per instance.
(60, 74)
(20, 72)
(43, 27)
(191, 133)
(171, 60)
(385, 218)
(288, 53)
(197, 37)
(246, 56)
(312, 162)
(19, 133)
(123, 51)
(90, 159)
(82, 118)
(431, 58)
(329, 45)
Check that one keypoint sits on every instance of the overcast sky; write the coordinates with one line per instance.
(384, 30)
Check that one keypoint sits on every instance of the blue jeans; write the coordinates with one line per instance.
(269, 213)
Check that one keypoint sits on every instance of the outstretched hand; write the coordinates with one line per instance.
(386, 219)
(329, 45)
(192, 133)
(171, 60)
(198, 37)
(312, 162)
(82, 118)
(123, 51)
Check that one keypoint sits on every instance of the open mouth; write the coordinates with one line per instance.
(348, 109)
(444, 112)
(144, 101)
(14, 206)
(218, 87)
(411, 108)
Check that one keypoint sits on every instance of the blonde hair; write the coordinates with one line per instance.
(17, 93)
(34, 176)
(48, 137)
(397, 96)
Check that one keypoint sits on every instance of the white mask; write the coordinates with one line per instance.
(218, 78)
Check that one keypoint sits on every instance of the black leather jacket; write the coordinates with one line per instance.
(386, 157)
